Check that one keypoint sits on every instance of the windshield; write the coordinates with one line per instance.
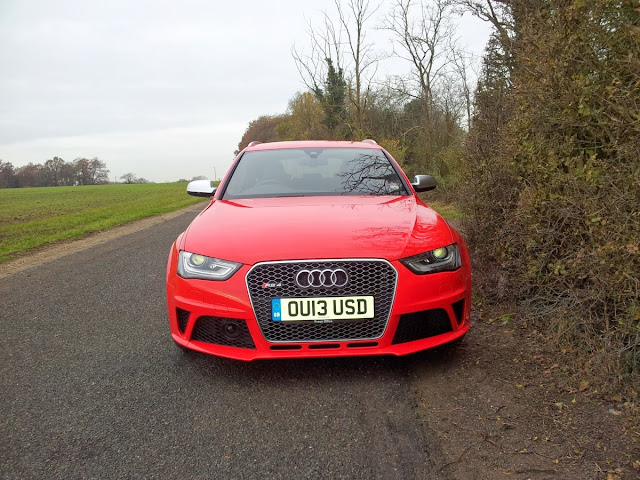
(313, 171)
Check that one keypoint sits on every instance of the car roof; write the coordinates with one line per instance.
(312, 144)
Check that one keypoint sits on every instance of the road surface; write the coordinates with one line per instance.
(93, 387)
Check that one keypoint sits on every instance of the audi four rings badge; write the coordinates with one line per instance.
(322, 278)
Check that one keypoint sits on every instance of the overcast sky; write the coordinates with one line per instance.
(164, 89)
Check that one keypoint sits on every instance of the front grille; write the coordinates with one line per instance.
(419, 325)
(366, 277)
(230, 332)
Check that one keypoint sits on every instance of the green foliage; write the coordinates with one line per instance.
(304, 119)
(555, 175)
(394, 147)
(263, 129)
(447, 210)
(333, 99)
(33, 217)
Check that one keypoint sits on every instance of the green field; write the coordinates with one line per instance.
(33, 217)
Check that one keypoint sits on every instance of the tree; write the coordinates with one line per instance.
(98, 171)
(425, 40)
(463, 65)
(128, 178)
(263, 129)
(362, 56)
(91, 172)
(81, 168)
(7, 175)
(29, 175)
(324, 43)
(341, 66)
(53, 172)
(67, 174)
(333, 100)
(304, 120)
(500, 13)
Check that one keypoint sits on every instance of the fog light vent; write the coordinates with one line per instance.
(458, 309)
(419, 325)
(230, 332)
(183, 318)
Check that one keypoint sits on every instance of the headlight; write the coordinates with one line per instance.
(192, 265)
(443, 259)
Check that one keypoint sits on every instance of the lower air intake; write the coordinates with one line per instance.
(419, 325)
(183, 318)
(229, 332)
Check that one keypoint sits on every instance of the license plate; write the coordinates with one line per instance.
(327, 308)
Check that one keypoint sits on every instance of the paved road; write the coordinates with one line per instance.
(93, 387)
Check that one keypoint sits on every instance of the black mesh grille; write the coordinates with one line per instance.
(366, 277)
(419, 325)
(458, 309)
(183, 318)
(230, 332)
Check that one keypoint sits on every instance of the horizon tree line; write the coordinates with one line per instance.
(55, 172)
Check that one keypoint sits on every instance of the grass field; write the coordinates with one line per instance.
(33, 217)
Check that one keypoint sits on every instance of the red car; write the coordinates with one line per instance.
(317, 249)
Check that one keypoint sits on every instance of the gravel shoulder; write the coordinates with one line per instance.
(502, 407)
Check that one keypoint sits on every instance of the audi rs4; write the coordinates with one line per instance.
(317, 249)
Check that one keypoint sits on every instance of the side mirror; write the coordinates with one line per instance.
(423, 183)
(201, 188)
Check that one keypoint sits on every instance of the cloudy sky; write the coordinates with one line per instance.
(160, 88)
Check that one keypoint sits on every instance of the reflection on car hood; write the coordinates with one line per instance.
(253, 230)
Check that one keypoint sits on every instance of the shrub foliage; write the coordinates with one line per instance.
(554, 174)
(547, 168)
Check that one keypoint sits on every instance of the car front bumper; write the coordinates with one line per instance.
(218, 317)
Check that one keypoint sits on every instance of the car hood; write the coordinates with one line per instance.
(253, 230)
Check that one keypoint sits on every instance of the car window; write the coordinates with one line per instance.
(314, 171)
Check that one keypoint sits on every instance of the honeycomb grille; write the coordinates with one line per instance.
(366, 277)
(183, 318)
(230, 332)
(419, 325)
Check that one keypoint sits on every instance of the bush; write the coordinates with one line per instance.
(556, 201)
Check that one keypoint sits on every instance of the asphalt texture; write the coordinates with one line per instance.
(92, 386)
